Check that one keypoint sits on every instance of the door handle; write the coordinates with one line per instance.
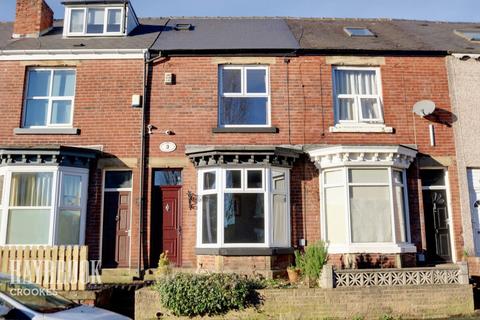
(179, 229)
(117, 218)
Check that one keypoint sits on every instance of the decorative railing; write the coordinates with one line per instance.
(452, 274)
(61, 268)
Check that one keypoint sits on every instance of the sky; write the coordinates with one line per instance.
(443, 10)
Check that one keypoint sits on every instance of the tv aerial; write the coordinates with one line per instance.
(424, 108)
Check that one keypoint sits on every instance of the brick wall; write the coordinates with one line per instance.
(102, 112)
(32, 18)
(426, 302)
(190, 108)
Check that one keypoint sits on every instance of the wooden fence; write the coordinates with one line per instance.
(61, 268)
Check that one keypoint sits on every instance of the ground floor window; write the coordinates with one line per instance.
(364, 206)
(42, 205)
(243, 207)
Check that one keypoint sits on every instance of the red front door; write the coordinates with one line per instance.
(171, 223)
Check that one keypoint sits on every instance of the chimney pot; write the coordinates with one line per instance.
(32, 19)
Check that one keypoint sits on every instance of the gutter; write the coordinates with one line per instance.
(81, 54)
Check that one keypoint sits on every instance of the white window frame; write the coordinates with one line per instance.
(55, 206)
(369, 247)
(220, 190)
(243, 93)
(358, 117)
(84, 33)
(50, 99)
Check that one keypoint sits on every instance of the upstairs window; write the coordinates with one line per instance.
(95, 21)
(49, 98)
(357, 95)
(244, 96)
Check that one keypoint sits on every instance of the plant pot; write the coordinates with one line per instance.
(293, 275)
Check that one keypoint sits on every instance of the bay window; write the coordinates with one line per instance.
(243, 207)
(42, 205)
(364, 206)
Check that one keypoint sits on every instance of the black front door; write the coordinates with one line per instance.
(437, 226)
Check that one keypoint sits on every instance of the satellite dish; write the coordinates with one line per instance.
(424, 107)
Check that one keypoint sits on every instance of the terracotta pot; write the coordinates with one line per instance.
(293, 275)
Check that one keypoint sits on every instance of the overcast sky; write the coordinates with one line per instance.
(445, 10)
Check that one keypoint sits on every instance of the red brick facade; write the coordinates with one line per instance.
(190, 108)
(301, 109)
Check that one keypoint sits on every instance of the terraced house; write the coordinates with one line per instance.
(227, 142)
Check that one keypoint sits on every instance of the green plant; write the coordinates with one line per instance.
(163, 268)
(199, 295)
(311, 262)
(358, 318)
(299, 260)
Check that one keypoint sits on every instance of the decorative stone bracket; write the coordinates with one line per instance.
(338, 156)
(203, 156)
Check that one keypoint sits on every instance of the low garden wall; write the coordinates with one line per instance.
(426, 301)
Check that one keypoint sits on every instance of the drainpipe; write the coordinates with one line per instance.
(141, 191)
(146, 63)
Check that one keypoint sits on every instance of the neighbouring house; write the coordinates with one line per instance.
(227, 142)
(464, 74)
(71, 138)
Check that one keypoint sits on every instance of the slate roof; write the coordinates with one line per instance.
(391, 35)
(263, 35)
(141, 38)
(226, 34)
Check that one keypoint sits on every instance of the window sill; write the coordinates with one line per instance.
(361, 128)
(246, 130)
(49, 131)
(243, 251)
(385, 248)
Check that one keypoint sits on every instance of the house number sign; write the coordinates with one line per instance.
(168, 147)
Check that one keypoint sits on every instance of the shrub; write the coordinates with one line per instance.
(199, 295)
(311, 262)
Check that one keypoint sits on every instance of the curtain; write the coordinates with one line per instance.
(72, 186)
(68, 227)
(370, 214)
(95, 16)
(76, 20)
(31, 189)
(400, 214)
(280, 236)
(336, 224)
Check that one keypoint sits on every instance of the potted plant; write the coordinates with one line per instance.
(293, 274)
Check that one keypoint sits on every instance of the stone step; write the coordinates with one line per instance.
(119, 272)
(112, 279)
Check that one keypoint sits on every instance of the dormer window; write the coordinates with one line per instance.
(95, 21)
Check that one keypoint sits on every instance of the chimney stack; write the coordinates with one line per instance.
(32, 19)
